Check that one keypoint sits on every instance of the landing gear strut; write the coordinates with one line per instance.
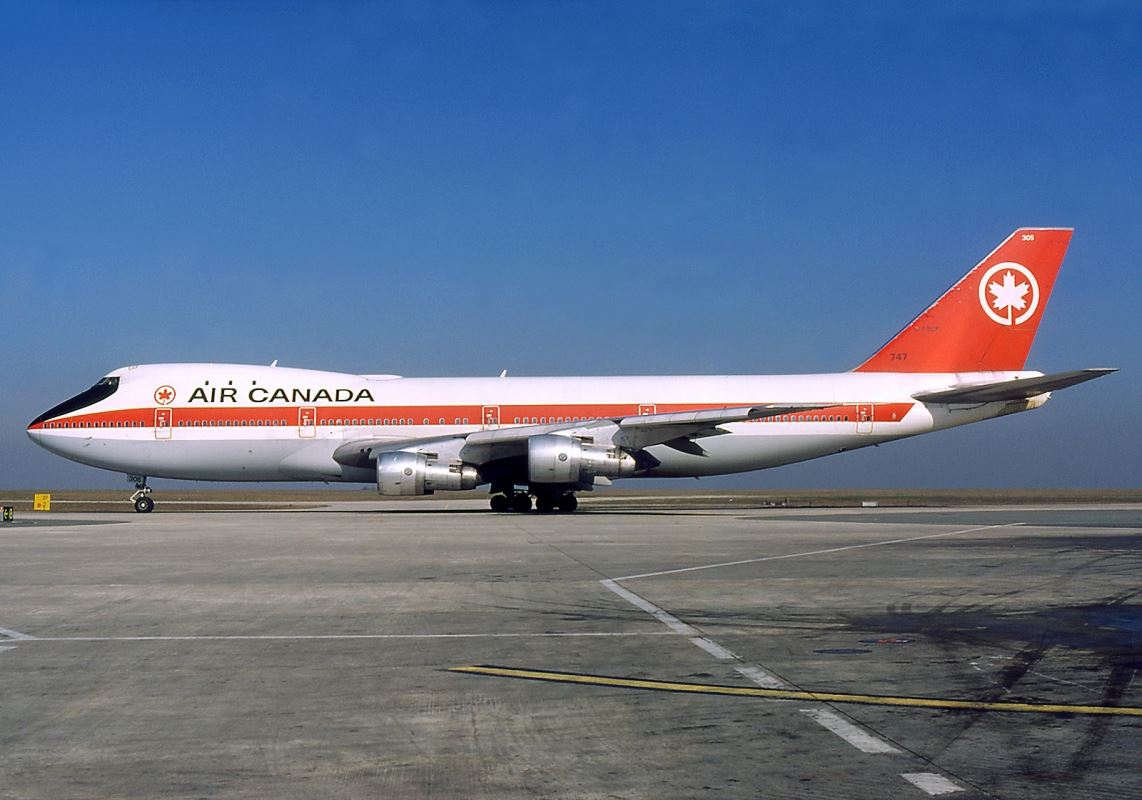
(142, 496)
(504, 500)
(564, 501)
(510, 501)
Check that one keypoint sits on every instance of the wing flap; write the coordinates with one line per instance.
(636, 433)
(1015, 389)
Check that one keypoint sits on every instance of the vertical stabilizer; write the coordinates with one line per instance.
(988, 320)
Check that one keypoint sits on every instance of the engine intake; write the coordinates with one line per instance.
(405, 474)
(560, 459)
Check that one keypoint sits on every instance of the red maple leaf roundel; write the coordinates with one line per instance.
(1009, 293)
(164, 395)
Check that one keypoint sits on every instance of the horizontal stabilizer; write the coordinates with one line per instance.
(1016, 389)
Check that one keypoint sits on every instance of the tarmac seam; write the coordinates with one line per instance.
(824, 551)
(332, 636)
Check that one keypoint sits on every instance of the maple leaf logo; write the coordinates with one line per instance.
(1009, 293)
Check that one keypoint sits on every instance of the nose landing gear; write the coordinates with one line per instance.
(142, 496)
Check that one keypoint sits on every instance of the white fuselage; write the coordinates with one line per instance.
(250, 423)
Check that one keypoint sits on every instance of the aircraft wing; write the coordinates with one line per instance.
(1015, 389)
(677, 429)
(641, 431)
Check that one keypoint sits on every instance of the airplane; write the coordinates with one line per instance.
(960, 361)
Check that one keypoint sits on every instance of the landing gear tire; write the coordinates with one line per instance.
(521, 502)
(144, 505)
(500, 503)
(545, 504)
(567, 503)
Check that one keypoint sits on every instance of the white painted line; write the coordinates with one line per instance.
(751, 671)
(672, 622)
(813, 552)
(9, 647)
(335, 636)
(765, 680)
(931, 783)
(14, 634)
(860, 739)
(666, 618)
(713, 648)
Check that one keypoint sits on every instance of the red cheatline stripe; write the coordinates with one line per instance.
(373, 416)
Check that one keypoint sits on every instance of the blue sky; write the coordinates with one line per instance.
(569, 188)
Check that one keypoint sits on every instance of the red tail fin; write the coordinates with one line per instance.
(987, 321)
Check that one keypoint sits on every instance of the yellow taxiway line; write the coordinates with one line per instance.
(795, 694)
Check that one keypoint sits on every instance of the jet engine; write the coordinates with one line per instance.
(560, 459)
(403, 473)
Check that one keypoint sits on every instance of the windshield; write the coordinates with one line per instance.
(100, 391)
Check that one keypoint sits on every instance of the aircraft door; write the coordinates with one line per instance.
(307, 422)
(164, 421)
(646, 409)
(864, 415)
(490, 418)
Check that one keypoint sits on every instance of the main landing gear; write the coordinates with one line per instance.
(142, 496)
(545, 502)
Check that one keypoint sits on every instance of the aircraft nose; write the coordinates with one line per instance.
(36, 434)
(49, 440)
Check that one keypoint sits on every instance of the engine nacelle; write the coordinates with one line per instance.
(560, 459)
(405, 474)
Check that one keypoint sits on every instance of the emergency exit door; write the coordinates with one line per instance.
(490, 419)
(307, 422)
(164, 421)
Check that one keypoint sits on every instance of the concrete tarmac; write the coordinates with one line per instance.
(309, 653)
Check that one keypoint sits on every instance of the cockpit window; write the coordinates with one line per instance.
(100, 391)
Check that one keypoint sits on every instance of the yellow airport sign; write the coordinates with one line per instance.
(43, 502)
